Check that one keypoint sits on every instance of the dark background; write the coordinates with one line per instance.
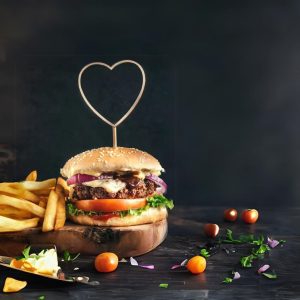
(221, 106)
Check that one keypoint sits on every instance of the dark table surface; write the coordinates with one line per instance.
(184, 240)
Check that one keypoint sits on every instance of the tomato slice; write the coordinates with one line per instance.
(110, 205)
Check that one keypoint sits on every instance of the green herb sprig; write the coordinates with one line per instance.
(227, 280)
(270, 275)
(258, 252)
(243, 239)
(204, 253)
(246, 261)
(26, 252)
(67, 256)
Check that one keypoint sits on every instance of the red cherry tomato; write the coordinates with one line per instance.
(230, 214)
(211, 230)
(106, 262)
(250, 216)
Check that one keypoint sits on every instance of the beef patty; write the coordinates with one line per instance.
(135, 188)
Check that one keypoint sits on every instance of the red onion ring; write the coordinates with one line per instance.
(162, 186)
(80, 178)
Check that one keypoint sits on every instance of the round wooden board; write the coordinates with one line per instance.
(124, 241)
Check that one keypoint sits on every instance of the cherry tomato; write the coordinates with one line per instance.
(196, 264)
(106, 262)
(109, 205)
(250, 216)
(211, 230)
(230, 214)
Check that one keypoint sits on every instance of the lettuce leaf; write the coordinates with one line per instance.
(160, 201)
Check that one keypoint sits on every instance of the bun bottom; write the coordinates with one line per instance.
(151, 215)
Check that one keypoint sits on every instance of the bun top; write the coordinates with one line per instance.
(109, 159)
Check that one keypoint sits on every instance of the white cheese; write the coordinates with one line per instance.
(45, 262)
(140, 175)
(110, 185)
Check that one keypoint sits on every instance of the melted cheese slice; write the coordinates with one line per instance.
(110, 185)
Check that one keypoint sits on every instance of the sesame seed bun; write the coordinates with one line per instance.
(151, 215)
(109, 159)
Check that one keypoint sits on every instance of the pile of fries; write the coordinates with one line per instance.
(33, 203)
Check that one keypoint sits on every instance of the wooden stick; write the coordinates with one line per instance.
(115, 141)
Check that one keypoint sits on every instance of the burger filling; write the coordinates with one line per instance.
(115, 195)
(114, 189)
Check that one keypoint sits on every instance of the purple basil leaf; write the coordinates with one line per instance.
(133, 262)
(182, 264)
(263, 268)
(175, 267)
(272, 243)
(150, 267)
(237, 275)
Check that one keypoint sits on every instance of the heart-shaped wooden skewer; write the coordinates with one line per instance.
(135, 103)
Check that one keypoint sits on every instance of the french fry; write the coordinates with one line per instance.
(29, 203)
(32, 176)
(12, 285)
(44, 198)
(23, 205)
(18, 192)
(42, 193)
(64, 184)
(30, 196)
(12, 212)
(61, 208)
(50, 212)
(33, 185)
(8, 224)
(38, 185)
(43, 203)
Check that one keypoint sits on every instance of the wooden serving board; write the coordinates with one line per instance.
(124, 241)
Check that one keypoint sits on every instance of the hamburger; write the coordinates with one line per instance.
(115, 187)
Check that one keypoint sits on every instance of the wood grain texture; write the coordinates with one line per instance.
(88, 240)
(183, 241)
